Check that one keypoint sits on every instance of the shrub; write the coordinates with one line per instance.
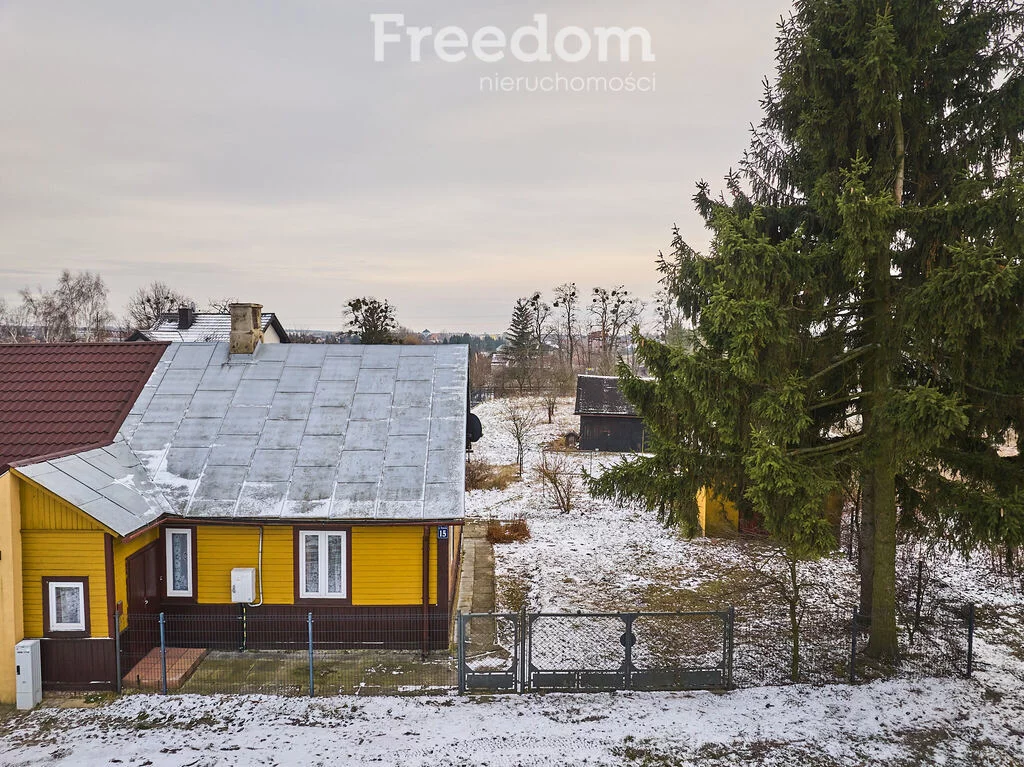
(560, 478)
(481, 475)
(507, 532)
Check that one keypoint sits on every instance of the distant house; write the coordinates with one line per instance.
(189, 326)
(608, 421)
(140, 478)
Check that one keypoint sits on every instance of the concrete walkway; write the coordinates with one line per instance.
(476, 586)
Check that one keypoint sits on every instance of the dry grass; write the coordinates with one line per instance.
(507, 532)
(481, 475)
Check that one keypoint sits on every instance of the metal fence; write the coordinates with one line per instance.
(291, 653)
(530, 652)
(287, 654)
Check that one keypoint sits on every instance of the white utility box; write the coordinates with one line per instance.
(28, 670)
(243, 584)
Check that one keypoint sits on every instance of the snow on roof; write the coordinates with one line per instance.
(206, 327)
(295, 431)
(108, 483)
(601, 395)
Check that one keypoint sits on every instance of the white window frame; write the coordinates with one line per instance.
(320, 591)
(169, 534)
(52, 587)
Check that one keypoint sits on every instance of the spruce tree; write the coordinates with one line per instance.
(859, 316)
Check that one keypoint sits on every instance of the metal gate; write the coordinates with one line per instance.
(532, 652)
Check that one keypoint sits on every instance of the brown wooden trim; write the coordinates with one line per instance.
(78, 664)
(162, 567)
(426, 588)
(442, 567)
(108, 555)
(47, 632)
(297, 551)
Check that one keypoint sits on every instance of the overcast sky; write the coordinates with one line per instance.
(257, 150)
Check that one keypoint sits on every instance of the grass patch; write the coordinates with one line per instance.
(481, 475)
(507, 532)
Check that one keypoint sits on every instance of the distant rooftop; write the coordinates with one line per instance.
(204, 327)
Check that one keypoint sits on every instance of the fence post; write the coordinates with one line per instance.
(970, 639)
(730, 646)
(309, 628)
(460, 653)
(523, 638)
(117, 651)
(853, 646)
(627, 643)
(163, 653)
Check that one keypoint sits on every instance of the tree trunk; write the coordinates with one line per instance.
(866, 553)
(881, 467)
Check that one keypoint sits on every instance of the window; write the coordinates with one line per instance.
(322, 565)
(66, 605)
(179, 562)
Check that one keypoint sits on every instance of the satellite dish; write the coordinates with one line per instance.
(474, 429)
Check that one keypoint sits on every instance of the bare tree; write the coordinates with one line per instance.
(373, 320)
(541, 313)
(148, 304)
(558, 475)
(613, 312)
(520, 422)
(221, 305)
(567, 303)
(558, 381)
(75, 310)
(13, 322)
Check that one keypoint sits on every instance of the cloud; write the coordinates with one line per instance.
(257, 150)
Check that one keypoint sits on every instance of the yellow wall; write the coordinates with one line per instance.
(59, 540)
(220, 549)
(717, 516)
(387, 565)
(42, 510)
(12, 626)
(55, 553)
(122, 551)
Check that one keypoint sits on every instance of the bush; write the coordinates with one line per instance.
(507, 532)
(481, 475)
(560, 478)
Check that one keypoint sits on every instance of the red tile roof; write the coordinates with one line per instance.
(61, 398)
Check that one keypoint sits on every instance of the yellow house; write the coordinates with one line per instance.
(277, 480)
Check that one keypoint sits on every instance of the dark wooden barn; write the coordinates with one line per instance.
(607, 420)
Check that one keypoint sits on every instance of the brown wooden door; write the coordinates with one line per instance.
(144, 596)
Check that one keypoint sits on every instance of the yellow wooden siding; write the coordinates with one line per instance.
(56, 553)
(122, 551)
(387, 565)
(718, 517)
(220, 549)
(42, 510)
(12, 628)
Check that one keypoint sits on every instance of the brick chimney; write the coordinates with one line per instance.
(186, 316)
(246, 328)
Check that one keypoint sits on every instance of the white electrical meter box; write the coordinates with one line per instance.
(28, 671)
(243, 584)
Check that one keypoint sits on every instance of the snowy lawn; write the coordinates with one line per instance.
(891, 723)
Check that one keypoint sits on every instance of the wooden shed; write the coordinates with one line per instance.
(608, 421)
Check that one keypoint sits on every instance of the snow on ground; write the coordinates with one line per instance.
(605, 555)
(890, 723)
(600, 556)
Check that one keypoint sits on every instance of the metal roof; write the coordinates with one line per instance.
(108, 483)
(306, 431)
(205, 327)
